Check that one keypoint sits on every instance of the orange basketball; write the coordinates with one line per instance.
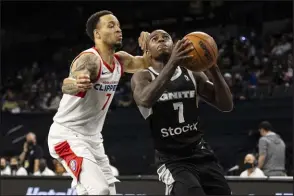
(205, 53)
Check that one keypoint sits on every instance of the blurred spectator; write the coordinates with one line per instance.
(43, 169)
(53, 101)
(238, 87)
(288, 74)
(228, 79)
(250, 166)
(16, 168)
(32, 153)
(5, 169)
(114, 171)
(249, 64)
(271, 151)
(282, 46)
(10, 102)
(123, 97)
(50, 101)
(59, 169)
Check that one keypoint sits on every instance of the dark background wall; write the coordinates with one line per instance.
(129, 145)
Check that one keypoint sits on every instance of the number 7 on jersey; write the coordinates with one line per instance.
(108, 95)
(180, 107)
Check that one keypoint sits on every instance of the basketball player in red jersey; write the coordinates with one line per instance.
(75, 137)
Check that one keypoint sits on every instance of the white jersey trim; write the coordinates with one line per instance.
(146, 112)
(177, 73)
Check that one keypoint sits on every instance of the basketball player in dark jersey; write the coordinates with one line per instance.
(167, 94)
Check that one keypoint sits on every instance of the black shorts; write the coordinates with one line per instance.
(198, 175)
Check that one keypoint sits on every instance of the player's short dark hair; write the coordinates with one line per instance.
(265, 125)
(93, 20)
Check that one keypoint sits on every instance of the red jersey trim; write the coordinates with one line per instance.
(105, 63)
(72, 160)
(120, 63)
(81, 94)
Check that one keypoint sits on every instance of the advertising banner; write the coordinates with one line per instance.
(61, 186)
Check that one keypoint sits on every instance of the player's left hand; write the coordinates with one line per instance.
(143, 39)
(83, 82)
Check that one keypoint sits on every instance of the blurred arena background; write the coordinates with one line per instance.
(255, 41)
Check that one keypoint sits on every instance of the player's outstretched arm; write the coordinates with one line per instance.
(147, 92)
(132, 64)
(83, 73)
(217, 93)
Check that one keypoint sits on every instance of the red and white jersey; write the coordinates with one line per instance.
(85, 112)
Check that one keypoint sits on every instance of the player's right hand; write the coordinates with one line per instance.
(143, 40)
(181, 52)
(83, 82)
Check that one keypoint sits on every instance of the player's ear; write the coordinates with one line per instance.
(96, 33)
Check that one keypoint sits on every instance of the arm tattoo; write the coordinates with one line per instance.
(88, 63)
(70, 88)
(72, 75)
(85, 64)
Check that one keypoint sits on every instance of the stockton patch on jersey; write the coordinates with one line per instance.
(174, 117)
(85, 112)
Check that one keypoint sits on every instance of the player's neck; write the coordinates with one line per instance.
(157, 65)
(105, 52)
(160, 62)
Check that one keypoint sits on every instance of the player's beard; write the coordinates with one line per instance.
(117, 45)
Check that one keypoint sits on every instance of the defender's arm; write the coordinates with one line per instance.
(83, 73)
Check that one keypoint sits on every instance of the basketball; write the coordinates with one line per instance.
(205, 52)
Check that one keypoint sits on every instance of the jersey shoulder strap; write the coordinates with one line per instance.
(153, 75)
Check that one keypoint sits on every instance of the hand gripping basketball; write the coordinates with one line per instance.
(181, 52)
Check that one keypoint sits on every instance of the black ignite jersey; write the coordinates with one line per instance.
(174, 117)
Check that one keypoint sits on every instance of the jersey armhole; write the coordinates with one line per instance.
(146, 112)
(151, 73)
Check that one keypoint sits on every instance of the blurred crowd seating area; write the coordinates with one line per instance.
(256, 64)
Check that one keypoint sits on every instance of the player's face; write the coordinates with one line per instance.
(160, 43)
(109, 31)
